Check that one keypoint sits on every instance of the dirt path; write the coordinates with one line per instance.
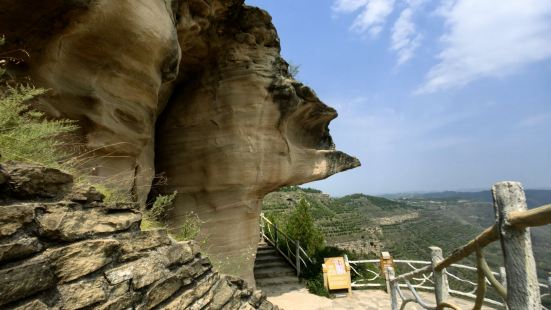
(297, 297)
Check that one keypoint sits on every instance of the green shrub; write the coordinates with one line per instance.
(25, 134)
(189, 229)
(315, 285)
(161, 206)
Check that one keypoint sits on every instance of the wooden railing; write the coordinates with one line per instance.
(420, 276)
(519, 287)
(288, 247)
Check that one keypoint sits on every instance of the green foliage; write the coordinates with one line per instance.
(189, 229)
(25, 134)
(294, 188)
(149, 224)
(157, 215)
(291, 188)
(300, 226)
(315, 285)
(112, 195)
(161, 206)
(310, 190)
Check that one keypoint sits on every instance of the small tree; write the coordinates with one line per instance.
(293, 70)
(300, 226)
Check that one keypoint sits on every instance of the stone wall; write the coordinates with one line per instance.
(63, 248)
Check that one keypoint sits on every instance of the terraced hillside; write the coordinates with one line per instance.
(407, 225)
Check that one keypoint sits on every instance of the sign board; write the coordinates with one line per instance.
(336, 274)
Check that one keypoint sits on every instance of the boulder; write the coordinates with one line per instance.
(19, 248)
(25, 280)
(33, 305)
(161, 291)
(28, 181)
(83, 293)
(14, 217)
(81, 258)
(142, 272)
(69, 225)
(135, 244)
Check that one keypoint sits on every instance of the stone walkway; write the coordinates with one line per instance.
(297, 297)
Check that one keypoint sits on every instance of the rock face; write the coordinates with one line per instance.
(120, 267)
(195, 90)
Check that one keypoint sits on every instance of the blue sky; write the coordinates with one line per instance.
(431, 95)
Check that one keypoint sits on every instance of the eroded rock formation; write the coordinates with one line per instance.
(66, 249)
(193, 89)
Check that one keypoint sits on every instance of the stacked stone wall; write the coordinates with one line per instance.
(63, 248)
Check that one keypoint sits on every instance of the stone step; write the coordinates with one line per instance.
(276, 281)
(265, 251)
(268, 264)
(268, 258)
(274, 272)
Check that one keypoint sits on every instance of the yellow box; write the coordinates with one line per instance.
(336, 274)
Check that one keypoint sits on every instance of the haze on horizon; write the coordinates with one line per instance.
(432, 95)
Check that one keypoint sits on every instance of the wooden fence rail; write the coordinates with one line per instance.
(519, 285)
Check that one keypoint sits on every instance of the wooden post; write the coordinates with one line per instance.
(385, 262)
(276, 236)
(262, 223)
(392, 288)
(503, 280)
(522, 282)
(441, 288)
(297, 256)
(387, 280)
(503, 276)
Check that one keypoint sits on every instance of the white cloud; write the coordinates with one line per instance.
(348, 6)
(405, 39)
(489, 38)
(534, 120)
(372, 17)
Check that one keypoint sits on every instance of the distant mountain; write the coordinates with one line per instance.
(534, 197)
(406, 225)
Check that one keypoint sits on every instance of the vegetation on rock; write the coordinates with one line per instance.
(25, 134)
(161, 206)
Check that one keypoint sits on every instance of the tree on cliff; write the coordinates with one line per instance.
(300, 226)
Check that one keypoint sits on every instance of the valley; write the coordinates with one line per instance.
(407, 224)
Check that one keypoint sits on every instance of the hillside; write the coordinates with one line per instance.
(534, 197)
(407, 226)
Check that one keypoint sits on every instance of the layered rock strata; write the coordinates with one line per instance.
(242, 129)
(63, 249)
(193, 89)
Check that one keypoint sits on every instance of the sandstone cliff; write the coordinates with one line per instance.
(66, 249)
(194, 89)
